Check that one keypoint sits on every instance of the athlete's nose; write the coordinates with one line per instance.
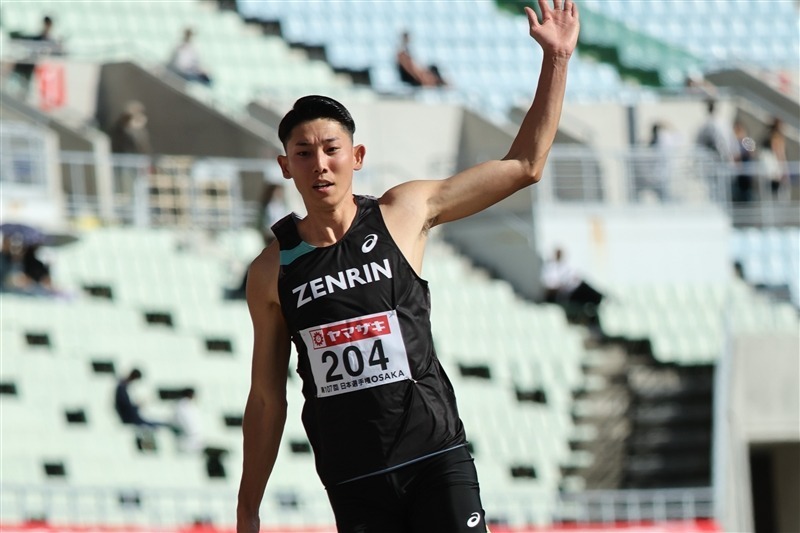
(320, 164)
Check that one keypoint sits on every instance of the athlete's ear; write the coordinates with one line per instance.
(359, 151)
(283, 161)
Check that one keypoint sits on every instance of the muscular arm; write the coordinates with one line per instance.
(418, 205)
(265, 412)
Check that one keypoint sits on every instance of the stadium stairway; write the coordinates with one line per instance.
(650, 421)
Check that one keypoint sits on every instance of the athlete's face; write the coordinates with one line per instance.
(320, 158)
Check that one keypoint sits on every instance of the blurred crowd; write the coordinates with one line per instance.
(751, 167)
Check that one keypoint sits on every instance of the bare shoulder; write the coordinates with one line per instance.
(406, 212)
(407, 205)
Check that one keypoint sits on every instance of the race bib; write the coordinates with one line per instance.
(356, 354)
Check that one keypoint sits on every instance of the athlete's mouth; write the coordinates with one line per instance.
(322, 185)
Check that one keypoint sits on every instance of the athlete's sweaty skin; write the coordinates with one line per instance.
(321, 159)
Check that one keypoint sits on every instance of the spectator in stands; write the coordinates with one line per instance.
(743, 186)
(565, 287)
(185, 60)
(22, 271)
(129, 134)
(658, 172)
(412, 72)
(43, 43)
(715, 136)
(696, 83)
(187, 428)
(35, 269)
(10, 262)
(129, 412)
(186, 423)
(772, 159)
(716, 140)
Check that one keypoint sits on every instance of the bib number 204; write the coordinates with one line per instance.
(352, 359)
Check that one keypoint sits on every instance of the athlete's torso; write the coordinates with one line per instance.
(376, 395)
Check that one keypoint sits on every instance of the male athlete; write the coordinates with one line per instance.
(343, 285)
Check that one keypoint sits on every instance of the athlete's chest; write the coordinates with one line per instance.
(361, 267)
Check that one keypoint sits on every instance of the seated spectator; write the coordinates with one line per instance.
(413, 73)
(185, 61)
(21, 270)
(186, 423)
(35, 268)
(565, 287)
(129, 413)
(41, 44)
(10, 263)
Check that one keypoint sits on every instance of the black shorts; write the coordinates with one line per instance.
(436, 495)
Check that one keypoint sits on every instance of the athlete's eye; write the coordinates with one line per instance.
(333, 149)
(302, 154)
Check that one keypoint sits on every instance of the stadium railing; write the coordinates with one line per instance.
(208, 191)
(185, 507)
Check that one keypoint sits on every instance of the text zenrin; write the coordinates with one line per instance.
(342, 280)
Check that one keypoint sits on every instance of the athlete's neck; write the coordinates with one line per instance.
(327, 227)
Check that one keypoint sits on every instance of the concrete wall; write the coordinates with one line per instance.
(757, 403)
(66, 89)
(633, 245)
(605, 124)
(765, 384)
(481, 140)
(608, 125)
(178, 123)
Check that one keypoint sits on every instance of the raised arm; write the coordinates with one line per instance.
(265, 412)
(478, 187)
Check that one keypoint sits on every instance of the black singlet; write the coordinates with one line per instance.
(376, 395)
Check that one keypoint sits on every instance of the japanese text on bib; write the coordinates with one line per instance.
(356, 354)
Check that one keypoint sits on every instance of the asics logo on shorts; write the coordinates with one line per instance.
(369, 243)
(474, 520)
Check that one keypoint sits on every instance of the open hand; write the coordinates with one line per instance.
(557, 33)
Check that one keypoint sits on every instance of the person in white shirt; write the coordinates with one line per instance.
(564, 286)
(185, 60)
(187, 423)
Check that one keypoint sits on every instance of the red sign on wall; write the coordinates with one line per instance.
(52, 86)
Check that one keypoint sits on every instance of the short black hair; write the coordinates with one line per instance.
(313, 107)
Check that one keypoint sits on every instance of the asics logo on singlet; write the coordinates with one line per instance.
(474, 520)
(342, 280)
(369, 243)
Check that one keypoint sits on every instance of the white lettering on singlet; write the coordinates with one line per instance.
(342, 280)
